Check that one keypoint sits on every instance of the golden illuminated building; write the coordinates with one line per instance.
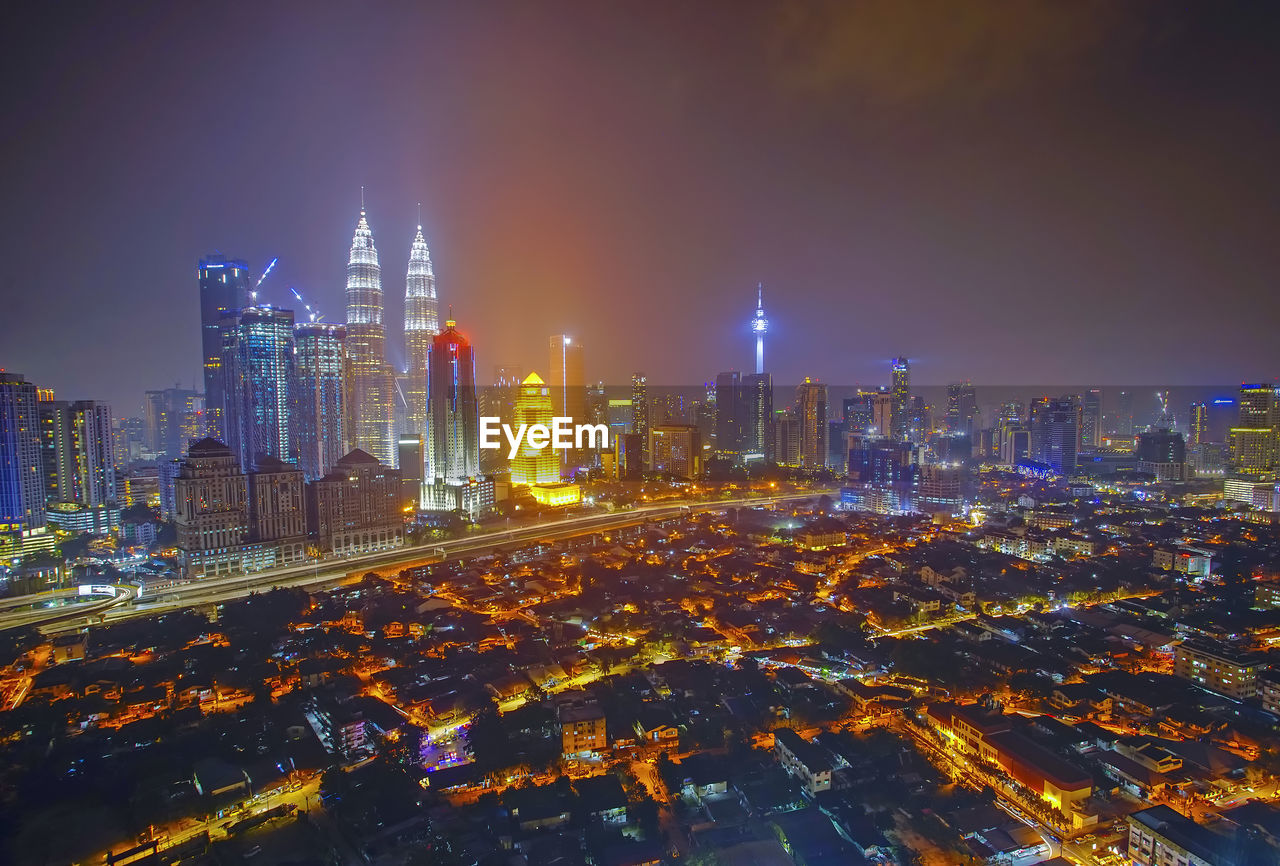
(538, 468)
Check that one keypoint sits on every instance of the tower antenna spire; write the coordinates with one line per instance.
(419, 216)
(361, 198)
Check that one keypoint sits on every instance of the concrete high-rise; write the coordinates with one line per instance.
(319, 397)
(730, 415)
(56, 447)
(421, 323)
(93, 445)
(758, 430)
(369, 382)
(1255, 439)
(962, 408)
(811, 414)
(900, 389)
(22, 502)
(177, 417)
(1091, 420)
(224, 292)
(1055, 433)
(212, 510)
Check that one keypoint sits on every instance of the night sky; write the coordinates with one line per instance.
(1006, 192)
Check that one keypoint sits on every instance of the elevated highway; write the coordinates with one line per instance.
(334, 571)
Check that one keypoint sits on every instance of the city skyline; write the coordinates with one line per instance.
(861, 214)
(703, 495)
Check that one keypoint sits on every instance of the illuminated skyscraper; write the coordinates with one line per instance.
(319, 397)
(94, 453)
(758, 430)
(568, 385)
(421, 323)
(1198, 424)
(900, 417)
(1055, 433)
(962, 406)
(455, 419)
(811, 414)
(640, 413)
(1091, 420)
(21, 478)
(369, 382)
(759, 327)
(1255, 437)
(533, 406)
(730, 415)
(259, 360)
(56, 451)
(224, 291)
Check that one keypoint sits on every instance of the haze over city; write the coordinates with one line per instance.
(640, 434)
(955, 185)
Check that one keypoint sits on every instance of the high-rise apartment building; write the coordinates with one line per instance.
(421, 323)
(57, 451)
(93, 454)
(674, 450)
(22, 502)
(370, 407)
(319, 397)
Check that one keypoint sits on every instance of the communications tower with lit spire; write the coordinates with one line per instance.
(759, 326)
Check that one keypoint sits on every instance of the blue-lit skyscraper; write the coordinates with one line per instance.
(260, 364)
(319, 422)
(21, 478)
(224, 291)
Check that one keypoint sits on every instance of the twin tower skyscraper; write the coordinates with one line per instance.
(372, 383)
(306, 391)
